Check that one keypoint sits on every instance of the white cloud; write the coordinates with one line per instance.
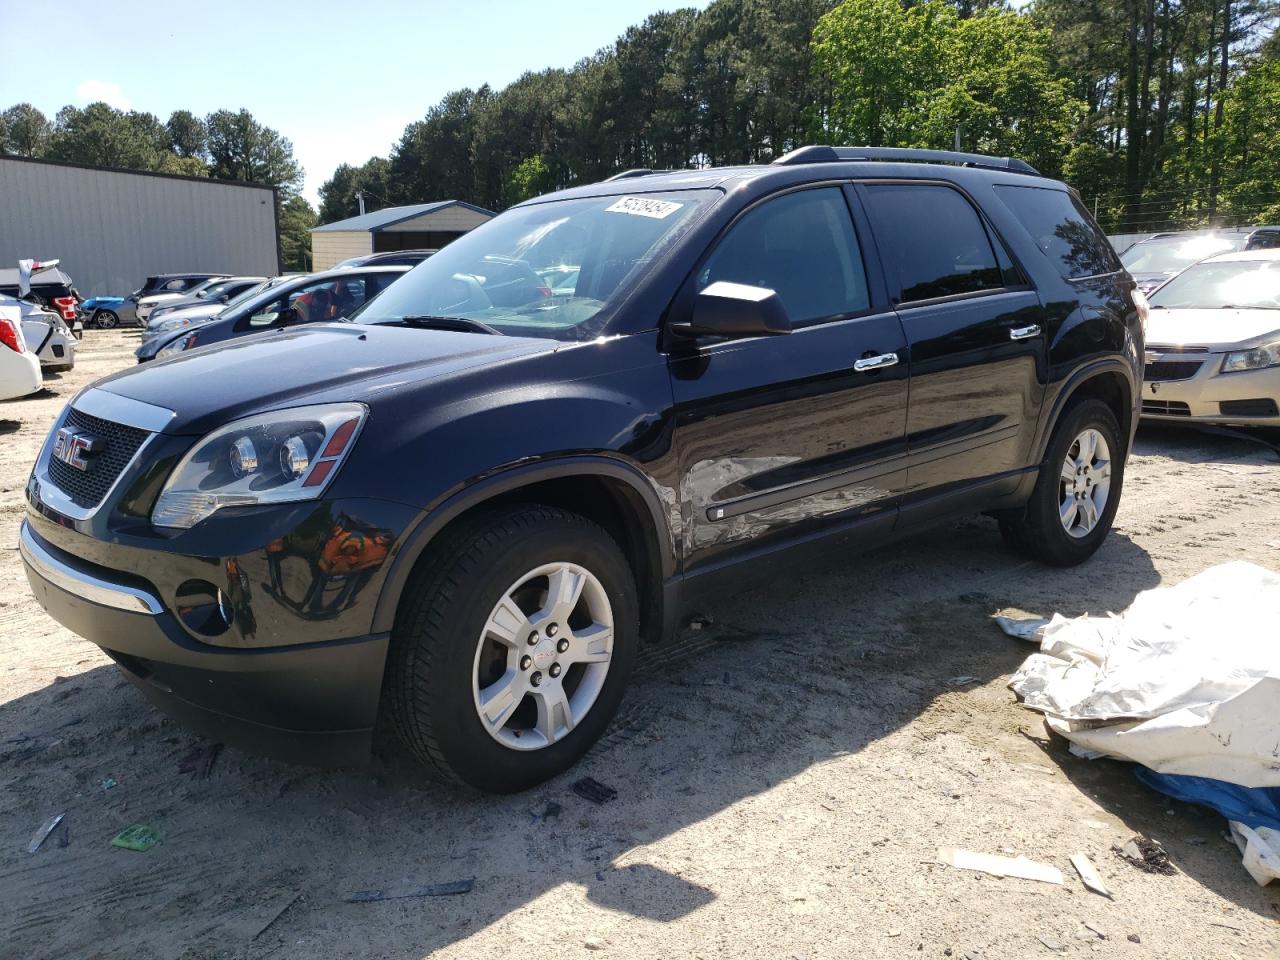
(91, 91)
(321, 147)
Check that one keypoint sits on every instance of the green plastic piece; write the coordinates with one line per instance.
(139, 837)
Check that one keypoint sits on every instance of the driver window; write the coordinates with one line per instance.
(801, 246)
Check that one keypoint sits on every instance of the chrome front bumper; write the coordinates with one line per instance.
(42, 562)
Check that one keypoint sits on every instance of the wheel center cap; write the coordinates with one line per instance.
(544, 654)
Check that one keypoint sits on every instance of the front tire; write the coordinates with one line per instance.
(105, 319)
(512, 647)
(1077, 492)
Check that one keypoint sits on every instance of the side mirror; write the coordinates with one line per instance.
(726, 309)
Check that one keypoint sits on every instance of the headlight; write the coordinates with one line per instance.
(177, 346)
(177, 323)
(1268, 355)
(277, 457)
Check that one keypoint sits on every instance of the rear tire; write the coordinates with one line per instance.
(1069, 514)
(460, 687)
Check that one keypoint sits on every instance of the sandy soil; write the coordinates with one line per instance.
(785, 776)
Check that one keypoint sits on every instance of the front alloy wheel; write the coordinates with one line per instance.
(543, 656)
(512, 646)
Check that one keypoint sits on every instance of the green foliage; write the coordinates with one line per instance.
(296, 220)
(531, 177)
(241, 148)
(101, 135)
(24, 131)
(187, 135)
(1250, 145)
(338, 193)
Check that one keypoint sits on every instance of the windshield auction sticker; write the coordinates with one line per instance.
(644, 207)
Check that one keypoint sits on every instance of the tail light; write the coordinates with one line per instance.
(545, 292)
(66, 306)
(10, 336)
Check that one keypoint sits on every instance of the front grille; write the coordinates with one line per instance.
(1171, 370)
(1260, 407)
(86, 488)
(1167, 408)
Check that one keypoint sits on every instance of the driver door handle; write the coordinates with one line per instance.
(875, 363)
(1024, 333)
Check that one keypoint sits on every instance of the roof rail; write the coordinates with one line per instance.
(823, 154)
(628, 174)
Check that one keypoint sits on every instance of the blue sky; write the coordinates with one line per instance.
(340, 80)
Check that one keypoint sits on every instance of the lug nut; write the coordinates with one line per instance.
(563, 645)
(533, 638)
(526, 662)
(536, 679)
(553, 630)
(555, 670)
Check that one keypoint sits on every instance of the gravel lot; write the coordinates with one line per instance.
(785, 776)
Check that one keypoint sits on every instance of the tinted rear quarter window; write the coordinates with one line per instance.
(934, 240)
(1062, 230)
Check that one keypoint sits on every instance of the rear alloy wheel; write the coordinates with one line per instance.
(1077, 491)
(512, 646)
(105, 319)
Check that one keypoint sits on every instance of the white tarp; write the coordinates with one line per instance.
(1186, 681)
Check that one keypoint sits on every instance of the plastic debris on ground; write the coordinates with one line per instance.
(45, 829)
(138, 837)
(1089, 874)
(1184, 682)
(591, 789)
(1019, 867)
(450, 889)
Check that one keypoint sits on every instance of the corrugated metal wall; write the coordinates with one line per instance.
(112, 229)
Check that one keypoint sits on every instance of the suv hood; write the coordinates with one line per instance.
(313, 364)
(1206, 328)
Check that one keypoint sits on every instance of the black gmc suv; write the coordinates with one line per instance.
(468, 504)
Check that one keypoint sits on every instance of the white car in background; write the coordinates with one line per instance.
(1213, 343)
(47, 336)
(19, 367)
(151, 301)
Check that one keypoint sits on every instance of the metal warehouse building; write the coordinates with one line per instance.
(113, 228)
(418, 226)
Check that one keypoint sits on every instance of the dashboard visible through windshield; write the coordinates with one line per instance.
(545, 270)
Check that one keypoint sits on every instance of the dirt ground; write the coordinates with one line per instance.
(785, 776)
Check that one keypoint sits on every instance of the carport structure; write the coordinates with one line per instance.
(416, 226)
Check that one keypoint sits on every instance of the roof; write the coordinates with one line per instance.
(1245, 255)
(9, 277)
(388, 216)
(138, 173)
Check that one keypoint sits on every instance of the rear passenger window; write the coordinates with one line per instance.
(802, 247)
(934, 239)
(1062, 230)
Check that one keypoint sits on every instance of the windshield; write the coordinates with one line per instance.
(245, 295)
(546, 270)
(215, 288)
(1251, 284)
(1171, 254)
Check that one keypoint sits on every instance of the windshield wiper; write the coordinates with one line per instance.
(460, 324)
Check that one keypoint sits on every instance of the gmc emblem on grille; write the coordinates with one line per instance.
(72, 448)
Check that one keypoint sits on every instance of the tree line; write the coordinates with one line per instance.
(1162, 113)
(226, 144)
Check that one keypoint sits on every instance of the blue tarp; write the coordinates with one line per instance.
(1253, 806)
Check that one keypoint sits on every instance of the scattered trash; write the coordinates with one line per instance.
(1145, 854)
(107, 784)
(894, 933)
(1261, 849)
(551, 811)
(1134, 938)
(1052, 944)
(1028, 629)
(1019, 867)
(199, 762)
(591, 789)
(961, 681)
(139, 837)
(593, 943)
(46, 828)
(450, 889)
(1095, 930)
(1089, 874)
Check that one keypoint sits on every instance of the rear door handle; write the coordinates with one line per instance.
(1024, 333)
(875, 363)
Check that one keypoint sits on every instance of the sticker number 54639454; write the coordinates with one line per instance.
(644, 207)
